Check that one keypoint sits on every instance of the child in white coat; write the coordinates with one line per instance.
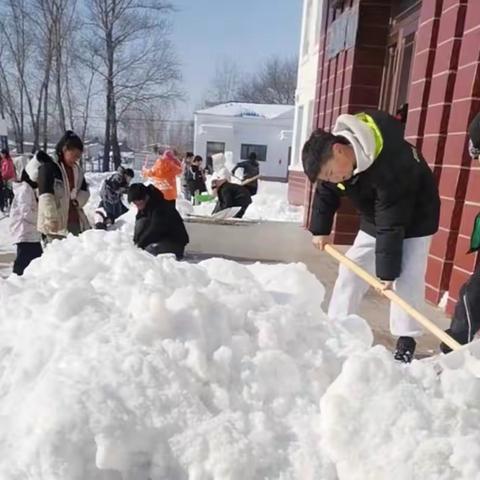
(23, 218)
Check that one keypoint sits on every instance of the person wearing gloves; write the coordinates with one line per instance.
(159, 228)
(164, 175)
(63, 191)
(229, 194)
(466, 317)
(366, 158)
(23, 218)
(111, 206)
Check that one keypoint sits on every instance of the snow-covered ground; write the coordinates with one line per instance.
(112, 360)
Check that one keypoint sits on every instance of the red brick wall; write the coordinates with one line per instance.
(443, 98)
(465, 104)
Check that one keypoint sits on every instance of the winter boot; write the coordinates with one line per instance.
(405, 349)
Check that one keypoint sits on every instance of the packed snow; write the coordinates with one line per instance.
(118, 365)
(113, 360)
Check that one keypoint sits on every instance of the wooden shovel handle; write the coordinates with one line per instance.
(392, 296)
(250, 180)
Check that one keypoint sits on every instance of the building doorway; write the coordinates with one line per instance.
(399, 56)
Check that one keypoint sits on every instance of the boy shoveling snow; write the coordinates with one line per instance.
(367, 159)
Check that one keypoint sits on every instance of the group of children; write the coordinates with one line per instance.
(168, 167)
(52, 191)
(366, 158)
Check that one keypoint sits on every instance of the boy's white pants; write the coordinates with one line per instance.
(349, 289)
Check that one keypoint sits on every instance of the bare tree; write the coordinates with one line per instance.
(137, 64)
(17, 53)
(225, 83)
(274, 83)
(34, 33)
(86, 81)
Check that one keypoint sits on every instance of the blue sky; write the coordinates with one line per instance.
(247, 31)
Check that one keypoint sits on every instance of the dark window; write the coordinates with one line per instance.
(399, 59)
(215, 147)
(260, 150)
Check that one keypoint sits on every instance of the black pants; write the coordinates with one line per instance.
(252, 188)
(466, 317)
(6, 196)
(26, 252)
(166, 246)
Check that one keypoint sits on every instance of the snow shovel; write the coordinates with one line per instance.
(250, 180)
(461, 356)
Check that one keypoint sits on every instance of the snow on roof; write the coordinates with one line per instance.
(233, 109)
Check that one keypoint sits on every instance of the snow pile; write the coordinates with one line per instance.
(115, 361)
(380, 421)
(271, 203)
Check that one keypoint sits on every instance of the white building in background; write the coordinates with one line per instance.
(307, 77)
(242, 128)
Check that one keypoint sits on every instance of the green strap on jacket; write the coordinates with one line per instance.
(475, 238)
(367, 119)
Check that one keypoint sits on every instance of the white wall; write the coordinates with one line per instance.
(307, 76)
(247, 131)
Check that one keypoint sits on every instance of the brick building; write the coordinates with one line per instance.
(383, 54)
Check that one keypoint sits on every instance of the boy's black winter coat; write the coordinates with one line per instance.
(397, 198)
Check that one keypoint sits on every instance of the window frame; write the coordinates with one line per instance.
(248, 148)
